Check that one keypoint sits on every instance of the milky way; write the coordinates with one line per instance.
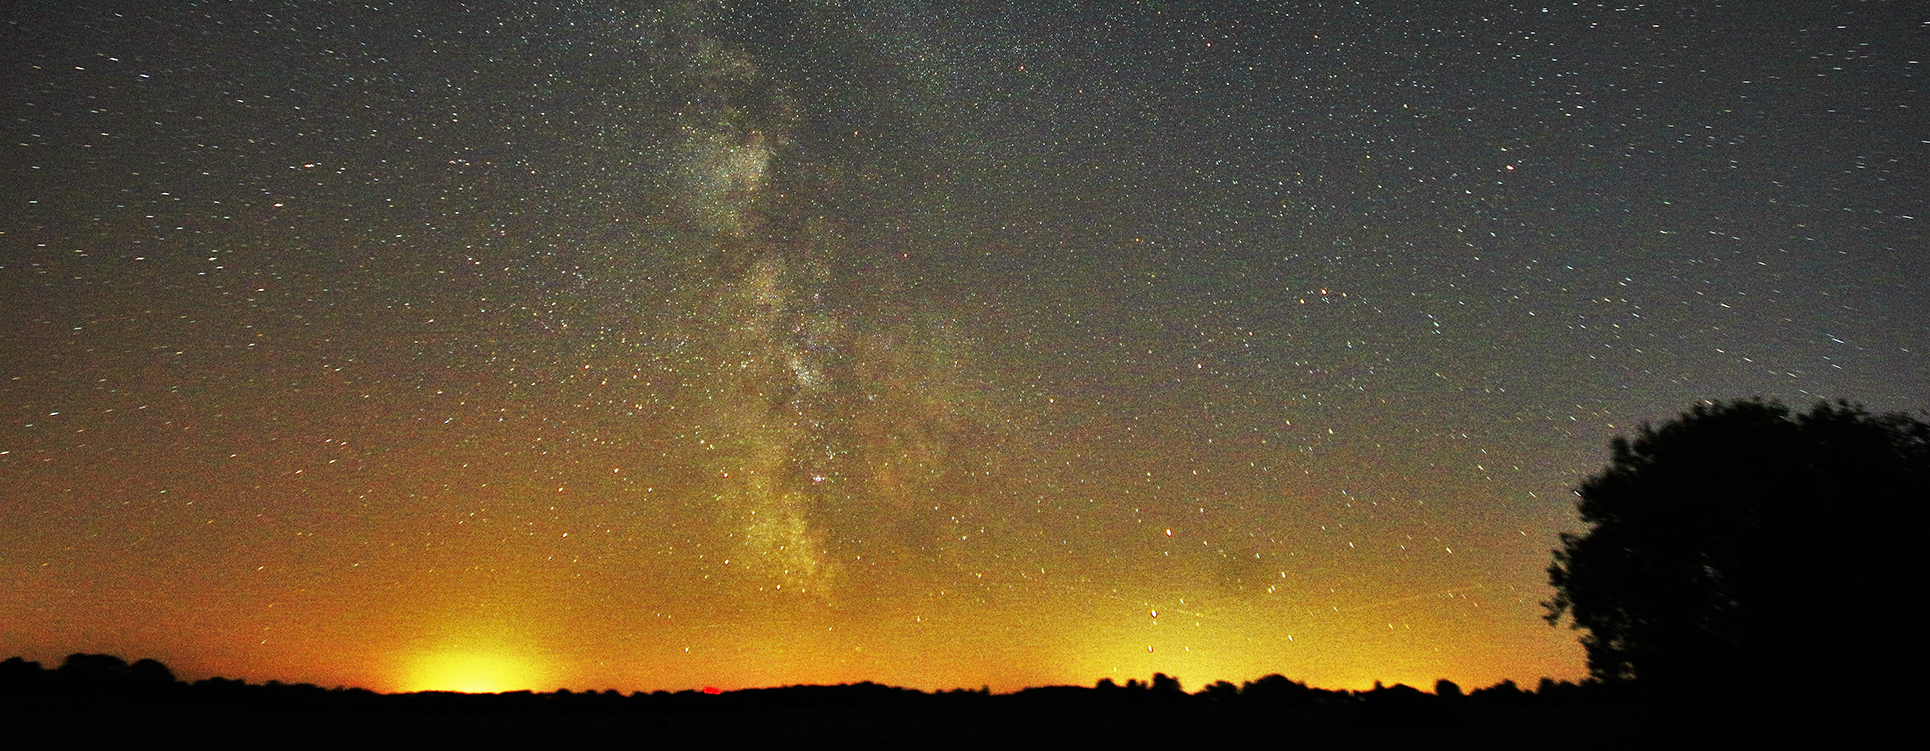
(823, 418)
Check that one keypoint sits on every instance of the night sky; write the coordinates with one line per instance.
(646, 346)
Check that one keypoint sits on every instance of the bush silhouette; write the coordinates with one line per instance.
(1275, 689)
(150, 674)
(19, 675)
(1504, 693)
(1730, 545)
(93, 669)
(1221, 691)
(1402, 706)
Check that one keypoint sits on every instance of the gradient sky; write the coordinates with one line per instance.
(647, 346)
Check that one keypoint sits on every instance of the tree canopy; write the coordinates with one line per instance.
(1742, 542)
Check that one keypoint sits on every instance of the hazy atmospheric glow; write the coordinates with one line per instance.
(472, 673)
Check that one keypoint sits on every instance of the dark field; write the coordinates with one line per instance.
(1000, 721)
(102, 701)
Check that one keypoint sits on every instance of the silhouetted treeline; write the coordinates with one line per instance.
(90, 678)
(101, 701)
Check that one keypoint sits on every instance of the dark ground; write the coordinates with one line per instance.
(133, 724)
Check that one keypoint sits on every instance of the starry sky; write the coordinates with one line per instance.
(658, 345)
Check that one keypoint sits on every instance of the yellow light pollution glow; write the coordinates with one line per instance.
(468, 672)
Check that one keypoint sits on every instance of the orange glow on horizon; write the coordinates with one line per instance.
(470, 673)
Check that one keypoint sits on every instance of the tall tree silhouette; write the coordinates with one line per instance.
(1740, 543)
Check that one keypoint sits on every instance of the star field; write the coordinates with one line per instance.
(663, 345)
